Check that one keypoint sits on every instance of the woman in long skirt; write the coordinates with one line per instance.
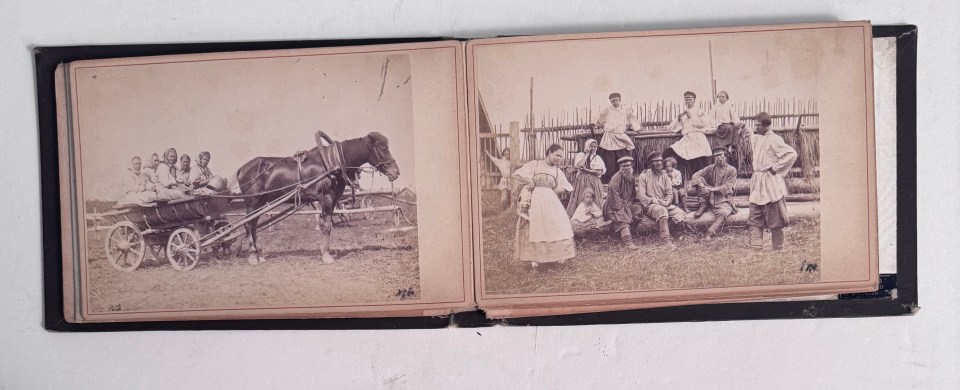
(589, 168)
(550, 236)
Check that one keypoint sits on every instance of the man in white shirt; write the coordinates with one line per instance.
(772, 160)
(693, 145)
(615, 143)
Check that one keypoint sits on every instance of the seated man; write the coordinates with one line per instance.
(715, 184)
(135, 187)
(621, 207)
(168, 188)
(202, 179)
(655, 193)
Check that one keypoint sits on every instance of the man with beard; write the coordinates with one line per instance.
(615, 143)
(621, 206)
(655, 193)
(772, 160)
(715, 184)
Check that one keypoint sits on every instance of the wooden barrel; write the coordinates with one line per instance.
(185, 211)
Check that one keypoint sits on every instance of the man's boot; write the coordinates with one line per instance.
(627, 240)
(664, 227)
(717, 224)
(756, 238)
(777, 236)
(700, 210)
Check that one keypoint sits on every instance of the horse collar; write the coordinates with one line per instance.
(343, 169)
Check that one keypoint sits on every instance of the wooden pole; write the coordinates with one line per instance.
(514, 145)
(531, 105)
(713, 81)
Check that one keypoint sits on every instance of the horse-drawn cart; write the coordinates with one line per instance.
(169, 230)
(181, 231)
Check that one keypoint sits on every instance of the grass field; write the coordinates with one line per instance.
(603, 265)
(372, 266)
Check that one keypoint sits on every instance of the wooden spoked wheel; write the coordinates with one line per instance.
(183, 249)
(223, 248)
(124, 246)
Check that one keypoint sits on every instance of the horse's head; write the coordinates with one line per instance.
(378, 155)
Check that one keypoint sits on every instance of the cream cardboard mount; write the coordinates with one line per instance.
(523, 176)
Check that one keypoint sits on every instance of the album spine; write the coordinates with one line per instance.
(68, 207)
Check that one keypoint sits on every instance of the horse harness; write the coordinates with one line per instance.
(331, 157)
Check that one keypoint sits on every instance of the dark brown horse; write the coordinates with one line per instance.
(265, 179)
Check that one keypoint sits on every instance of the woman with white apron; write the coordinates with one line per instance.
(550, 237)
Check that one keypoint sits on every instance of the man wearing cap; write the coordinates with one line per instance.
(691, 123)
(772, 160)
(655, 194)
(615, 143)
(621, 206)
(715, 184)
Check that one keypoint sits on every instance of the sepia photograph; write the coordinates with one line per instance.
(671, 161)
(282, 181)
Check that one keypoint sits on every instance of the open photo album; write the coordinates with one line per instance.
(519, 176)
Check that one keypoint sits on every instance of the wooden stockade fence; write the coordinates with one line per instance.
(797, 121)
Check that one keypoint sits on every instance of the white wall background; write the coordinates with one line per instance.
(907, 352)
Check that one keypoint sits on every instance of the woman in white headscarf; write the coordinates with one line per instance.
(202, 179)
(135, 186)
(168, 187)
(589, 168)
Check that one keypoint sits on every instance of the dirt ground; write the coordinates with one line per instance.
(603, 265)
(372, 266)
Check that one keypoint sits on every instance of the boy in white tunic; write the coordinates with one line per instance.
(691, 123)
(772, 160)
(615, 143)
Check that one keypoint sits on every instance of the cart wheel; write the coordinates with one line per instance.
(183, 249)
(223, 248)
(124, 246)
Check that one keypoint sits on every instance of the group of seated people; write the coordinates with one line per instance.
(658, 193)
(170, 179)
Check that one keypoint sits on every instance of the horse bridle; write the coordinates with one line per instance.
(379, 156)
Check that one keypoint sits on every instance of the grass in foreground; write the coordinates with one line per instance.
(371, 267)
(602, 264)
